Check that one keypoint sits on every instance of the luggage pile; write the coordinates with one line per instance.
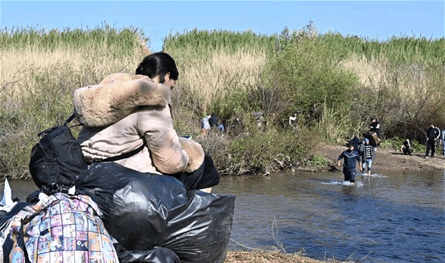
(109, 213)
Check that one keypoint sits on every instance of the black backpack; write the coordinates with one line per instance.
(57, 159)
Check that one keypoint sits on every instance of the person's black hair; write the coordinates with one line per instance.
(158, 64)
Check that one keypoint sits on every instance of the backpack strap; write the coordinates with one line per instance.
(114, 158)
(70, 119)
(122, 156)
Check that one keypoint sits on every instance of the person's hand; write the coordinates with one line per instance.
(195, 153)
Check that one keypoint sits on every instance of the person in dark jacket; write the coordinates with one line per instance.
(432, 136)
(350, 157)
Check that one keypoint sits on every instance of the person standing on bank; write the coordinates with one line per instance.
(368, 155)
(350, 157)
(432, 136)
(127, 119)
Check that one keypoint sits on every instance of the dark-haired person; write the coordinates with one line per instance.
(406, 147)
(350, 157)
(375, 127)
(432, 137)
(368, 155)
(127, 119)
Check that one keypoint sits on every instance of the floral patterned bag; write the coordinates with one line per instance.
(61, 228)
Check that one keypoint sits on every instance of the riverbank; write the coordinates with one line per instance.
(266, 257)
(388, 159)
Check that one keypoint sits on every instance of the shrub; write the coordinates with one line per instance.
(307, 76)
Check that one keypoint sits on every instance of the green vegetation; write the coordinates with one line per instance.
(105, 39)
(396, 144)
(333, 83)
(204, 43)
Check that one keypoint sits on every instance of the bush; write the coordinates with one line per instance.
(307, 76)
(268, 148)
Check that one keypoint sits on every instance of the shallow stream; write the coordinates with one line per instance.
(388, 217)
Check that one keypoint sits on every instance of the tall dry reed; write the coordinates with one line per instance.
(211, 80)
(37, 82)
(405, 97)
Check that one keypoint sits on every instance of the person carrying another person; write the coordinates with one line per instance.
(432, 137)
(350, 157)
(367, 156)
(406, 147)
(375, 127)
(127, 119)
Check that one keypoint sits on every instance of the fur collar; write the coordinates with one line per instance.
(116, 97)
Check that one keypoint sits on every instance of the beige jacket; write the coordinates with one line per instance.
(122, 111)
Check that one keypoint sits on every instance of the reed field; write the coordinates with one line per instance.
(39, 73)
(333, 83)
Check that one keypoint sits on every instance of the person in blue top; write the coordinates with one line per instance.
(350, 157)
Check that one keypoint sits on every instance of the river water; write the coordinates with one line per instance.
(388, 217)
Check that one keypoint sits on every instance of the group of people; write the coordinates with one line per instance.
(434, 137)
(364, 153)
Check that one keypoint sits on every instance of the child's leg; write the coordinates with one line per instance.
(369, 161)
(365, 164)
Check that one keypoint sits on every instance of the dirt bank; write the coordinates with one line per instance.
(388, 159)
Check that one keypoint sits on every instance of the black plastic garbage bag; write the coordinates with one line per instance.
(155, 255)
(143, 211)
